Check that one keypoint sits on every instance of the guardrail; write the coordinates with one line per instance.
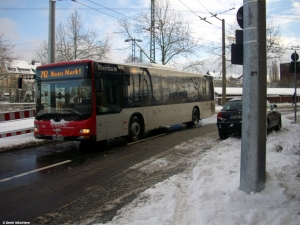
(15, 123)
(6, 106)
(271, 99)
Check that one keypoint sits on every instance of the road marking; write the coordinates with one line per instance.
(146, 139)
(33, 171)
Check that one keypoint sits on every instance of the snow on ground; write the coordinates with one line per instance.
(210, 194)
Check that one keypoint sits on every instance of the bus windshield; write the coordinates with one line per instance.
(64, 99)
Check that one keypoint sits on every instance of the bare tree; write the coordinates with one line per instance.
(74, 42)
(7, 83)
(275, 49)
(273, 72)
(173, 39)
(6, 51)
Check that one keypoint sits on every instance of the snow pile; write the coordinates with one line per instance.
(210, 194)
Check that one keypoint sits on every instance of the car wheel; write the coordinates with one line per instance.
(278, 126)
(223, 135)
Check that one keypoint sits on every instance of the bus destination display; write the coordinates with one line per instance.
(55, 73)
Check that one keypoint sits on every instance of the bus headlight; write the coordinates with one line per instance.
(36, 128)
(84, 131)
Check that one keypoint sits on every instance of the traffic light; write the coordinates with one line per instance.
(237, 49)
(20, 80)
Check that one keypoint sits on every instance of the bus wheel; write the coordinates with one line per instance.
(135, 129)
(195, 117)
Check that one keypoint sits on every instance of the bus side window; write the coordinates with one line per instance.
(101, 103)
(99, 85)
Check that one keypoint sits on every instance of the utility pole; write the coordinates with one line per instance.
(51, 37)
(223, 64)
(152, 32)
(295, 83)
(133, 40)
(253, 147)
(141, 55)
(223, 56)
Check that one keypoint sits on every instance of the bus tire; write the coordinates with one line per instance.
(195, 117)
(135, 129)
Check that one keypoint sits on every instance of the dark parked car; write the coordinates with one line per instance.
(229, 119)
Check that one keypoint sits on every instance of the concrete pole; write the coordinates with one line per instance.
(295, 83)
(51, 37)
(223, 64)
(253, 148)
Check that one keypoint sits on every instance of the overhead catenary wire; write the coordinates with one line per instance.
(204, 19)
(111, 9)
(95, 9)
(76, 1)
(214, 15)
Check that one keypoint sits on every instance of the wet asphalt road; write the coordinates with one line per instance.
(30, 186)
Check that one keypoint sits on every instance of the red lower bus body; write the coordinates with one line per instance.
(84, 130)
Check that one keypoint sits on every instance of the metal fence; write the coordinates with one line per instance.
(15, 127)
(16, 122)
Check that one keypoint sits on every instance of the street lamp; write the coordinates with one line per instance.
(133, 46)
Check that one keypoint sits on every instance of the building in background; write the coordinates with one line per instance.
(9, 74)
(285, 72)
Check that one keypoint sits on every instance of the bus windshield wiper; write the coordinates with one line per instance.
(42, 115)
(72, 111)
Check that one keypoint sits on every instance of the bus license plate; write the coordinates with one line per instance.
(57, 138)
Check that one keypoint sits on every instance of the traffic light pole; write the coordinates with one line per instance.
(253, 147)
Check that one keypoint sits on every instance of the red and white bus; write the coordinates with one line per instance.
(88, 100)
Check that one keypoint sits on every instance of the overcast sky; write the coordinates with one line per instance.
(25, 22)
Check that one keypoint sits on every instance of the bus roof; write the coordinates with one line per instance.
(152, 65)
(134, 64)
(149, 65)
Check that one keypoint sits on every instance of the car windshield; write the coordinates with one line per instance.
(232, 106)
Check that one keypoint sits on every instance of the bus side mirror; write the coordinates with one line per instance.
(99, 86)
